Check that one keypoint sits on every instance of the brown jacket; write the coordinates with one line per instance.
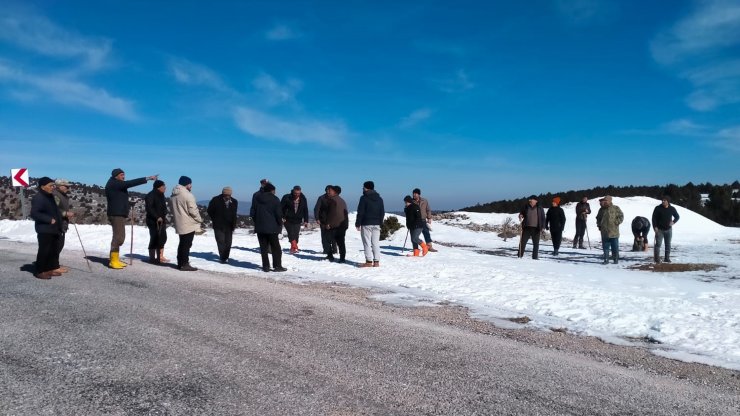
(337, 215)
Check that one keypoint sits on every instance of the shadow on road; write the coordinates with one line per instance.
(236, 263)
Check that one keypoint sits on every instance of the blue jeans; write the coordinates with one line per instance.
(425, 231)
(607, 242)
(661, 235)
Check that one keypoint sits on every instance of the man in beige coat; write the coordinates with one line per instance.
(187, 220)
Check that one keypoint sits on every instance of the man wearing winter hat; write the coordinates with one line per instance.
(426, 215)
(156, 222)
(187, 220)
(555, 222)
(48, 225)
(583, 210)
(222, 210)
(532, 218)
(61, 197)
(116, 194)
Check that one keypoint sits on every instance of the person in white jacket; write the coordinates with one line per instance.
(187, 220)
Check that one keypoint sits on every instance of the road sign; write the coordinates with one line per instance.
(20, 177)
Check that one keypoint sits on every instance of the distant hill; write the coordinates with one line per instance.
(89, 203)
(719, 203)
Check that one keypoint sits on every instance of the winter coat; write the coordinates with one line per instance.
(43, 210)
(413, 217)
(223, 218)
(320, 206)
(62, 201)
(541, 220)
(555, 219)
(289, 212)
(370, 210)
(185, 211)
(640, 224)
(426, 212)
(156, 207)
(663, 216)
(267, 216)
(254, 201)
(608, 220)
(582, 210)
(116, 193)
(336, 214)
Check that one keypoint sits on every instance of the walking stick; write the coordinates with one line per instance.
(131, 252)
(588, 238)
(403, 250)
(83, 247)
(520, 252)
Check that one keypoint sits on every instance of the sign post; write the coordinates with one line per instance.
(20, 179)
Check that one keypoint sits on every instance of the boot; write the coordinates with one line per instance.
(115, 262)
(366, 264)
(416, 252)
(657, 260)
(293, 246)
(376, 263)
(153, 256)
(575, 243)
(162, 259)
(424, 249)
(432, 249)
(667, 259)
(43, 275)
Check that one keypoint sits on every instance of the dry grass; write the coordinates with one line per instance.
(520, 319)
(677, 267)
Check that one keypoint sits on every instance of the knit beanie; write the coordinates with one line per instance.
(116, 172)
(185, 181)
(45, 181)
(157, 184)
(408, 199)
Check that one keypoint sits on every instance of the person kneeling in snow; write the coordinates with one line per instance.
(640, 229)
(415, 224)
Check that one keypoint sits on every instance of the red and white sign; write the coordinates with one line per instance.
(20, 177)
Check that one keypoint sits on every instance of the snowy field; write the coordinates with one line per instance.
(690, 316)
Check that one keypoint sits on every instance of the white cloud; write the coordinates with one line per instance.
(582, 12)
(190, 73)
(282, 32)
(69, 91)
(415, 117)
(730, 138)
(267, 126)
(275, 93)
(460, 82)
(683, 127)
(702, 49)
(38, 34)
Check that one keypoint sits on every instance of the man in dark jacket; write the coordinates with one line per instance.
(48, 225)
(583, 209)
(61, 197)
(268, 222)
(640, 229)
(295, 213)
(370, 214)
(415, 224)
(319, 210)
(222, 210)
(555, 222)
(532, 219)
(335, 221)
(156, 221)
(664, 216)
(116, 193)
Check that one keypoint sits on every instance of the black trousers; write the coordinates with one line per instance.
(293, 230)
(157, 236)
(47, 257)
(223, 241)
(327, 237)
(335, 237)
(533, 232)
(60, 245)
(271, 241)
(580, 232)
(183, 249)
(557, 238)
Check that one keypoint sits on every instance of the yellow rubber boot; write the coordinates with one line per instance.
(115, 263)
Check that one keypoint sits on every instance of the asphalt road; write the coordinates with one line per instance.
(152, 340)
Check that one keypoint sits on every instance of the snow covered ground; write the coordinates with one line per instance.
(691, 316)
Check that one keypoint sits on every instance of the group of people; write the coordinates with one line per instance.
(533, 220)
(51, 213)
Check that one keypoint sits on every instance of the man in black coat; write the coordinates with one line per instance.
(415, 224)
(583, 209)
(222, 210)
(319, 211)
(664, 217)
(48, 225)
(156, 221)
(295, 213)
(116, 194)
(640, 229)
(268, 223)
(555, 222)
(532, 218)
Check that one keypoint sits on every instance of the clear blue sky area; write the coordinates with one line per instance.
(471, 101)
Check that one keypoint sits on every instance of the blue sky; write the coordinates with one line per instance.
(471, 101)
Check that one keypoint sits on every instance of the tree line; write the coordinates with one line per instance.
(722, 204)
